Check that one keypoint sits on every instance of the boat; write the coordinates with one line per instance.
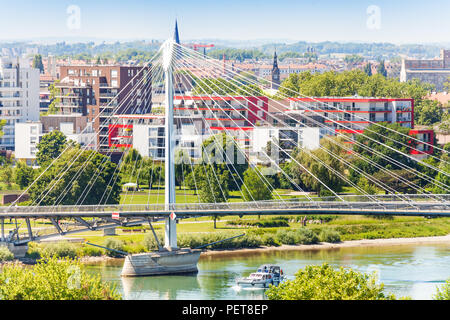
(181, 261)
(265, 276)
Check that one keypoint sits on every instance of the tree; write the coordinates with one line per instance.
(256, 187)
(428, 112)
(222, 152)
(23, 174)
(443, 177)
(443, 292)
(368, 69)
(390, 140)
(91, 178)
(381, 69)
(394, 182)
(55, 100)
(213, 186)
(37, 63)
(312, 167)
(50, 147)
(182, 167)
(7, 175)
(325, 283)
(53, 279)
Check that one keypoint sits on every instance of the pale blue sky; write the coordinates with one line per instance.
(401, 21)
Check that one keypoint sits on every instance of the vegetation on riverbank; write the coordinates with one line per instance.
(53, 279)
(325, 283)
(197, 233)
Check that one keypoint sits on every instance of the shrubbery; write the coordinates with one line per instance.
(5, 254)
(59, 250)
(116, 245)
(299, 236)
(264, 223)
(53, 279)
(325, 283)
(329, 235)
(443, 292)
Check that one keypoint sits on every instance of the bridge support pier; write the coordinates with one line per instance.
(170, 236)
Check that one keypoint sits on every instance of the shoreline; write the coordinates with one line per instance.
(303, 247)
(330, 246)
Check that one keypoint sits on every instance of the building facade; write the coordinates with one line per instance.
(99, 91)
(19, 97)
(436, 71)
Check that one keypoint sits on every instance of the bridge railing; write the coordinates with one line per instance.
(385, 202)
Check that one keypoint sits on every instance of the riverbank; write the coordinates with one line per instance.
(330, 246)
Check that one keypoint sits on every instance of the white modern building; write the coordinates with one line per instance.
(267, 141)
(27, 137)
(19, 96)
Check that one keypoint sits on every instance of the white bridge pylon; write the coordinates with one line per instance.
(170, 225)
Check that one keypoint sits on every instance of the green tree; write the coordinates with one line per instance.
(224, 155)
(390, 140)
(443, 177)
(325, 283)
(90, 179)
(213, 186)
(368, 69)
(428, 112)
(182, 167)
(312, 167)
(443, 292)
(23, 174)
(53, 279)
(50, 147)
(256, 187)
(55, 100)
(37, 63)
(381, 69)
(7, 175)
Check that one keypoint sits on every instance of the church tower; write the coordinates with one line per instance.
(275, 73)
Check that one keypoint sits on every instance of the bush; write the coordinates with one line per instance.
(59, 250)
(269, 239)
(325, 283)
(53, 279)
(443, 293)
(150, 243)
(5, 254)
(90, 251)
(264, 223)
(299, 236)
(116, 245)
(306, 236)
(286, 237)
(329, 235)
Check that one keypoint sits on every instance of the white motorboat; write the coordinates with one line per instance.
(265, 276)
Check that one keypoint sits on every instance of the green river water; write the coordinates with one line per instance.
(406, 270)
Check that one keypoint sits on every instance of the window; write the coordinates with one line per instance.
(114, 83)
(113, 73)
(94, 73)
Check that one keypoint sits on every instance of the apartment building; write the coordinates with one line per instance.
(19, 96)
(99, 91)
(351, 115)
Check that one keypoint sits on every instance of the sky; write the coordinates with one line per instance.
(396, 21)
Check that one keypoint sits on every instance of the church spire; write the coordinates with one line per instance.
(275, 72)
(176, 36)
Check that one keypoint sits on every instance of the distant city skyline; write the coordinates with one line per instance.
(398, 21)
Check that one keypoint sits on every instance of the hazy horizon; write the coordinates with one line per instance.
(289, 21)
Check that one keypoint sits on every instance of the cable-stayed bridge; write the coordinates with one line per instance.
(172, 72)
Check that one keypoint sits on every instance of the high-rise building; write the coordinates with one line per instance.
(107, 89)
(19, 96)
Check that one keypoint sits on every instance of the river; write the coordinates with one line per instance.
(406, 270)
